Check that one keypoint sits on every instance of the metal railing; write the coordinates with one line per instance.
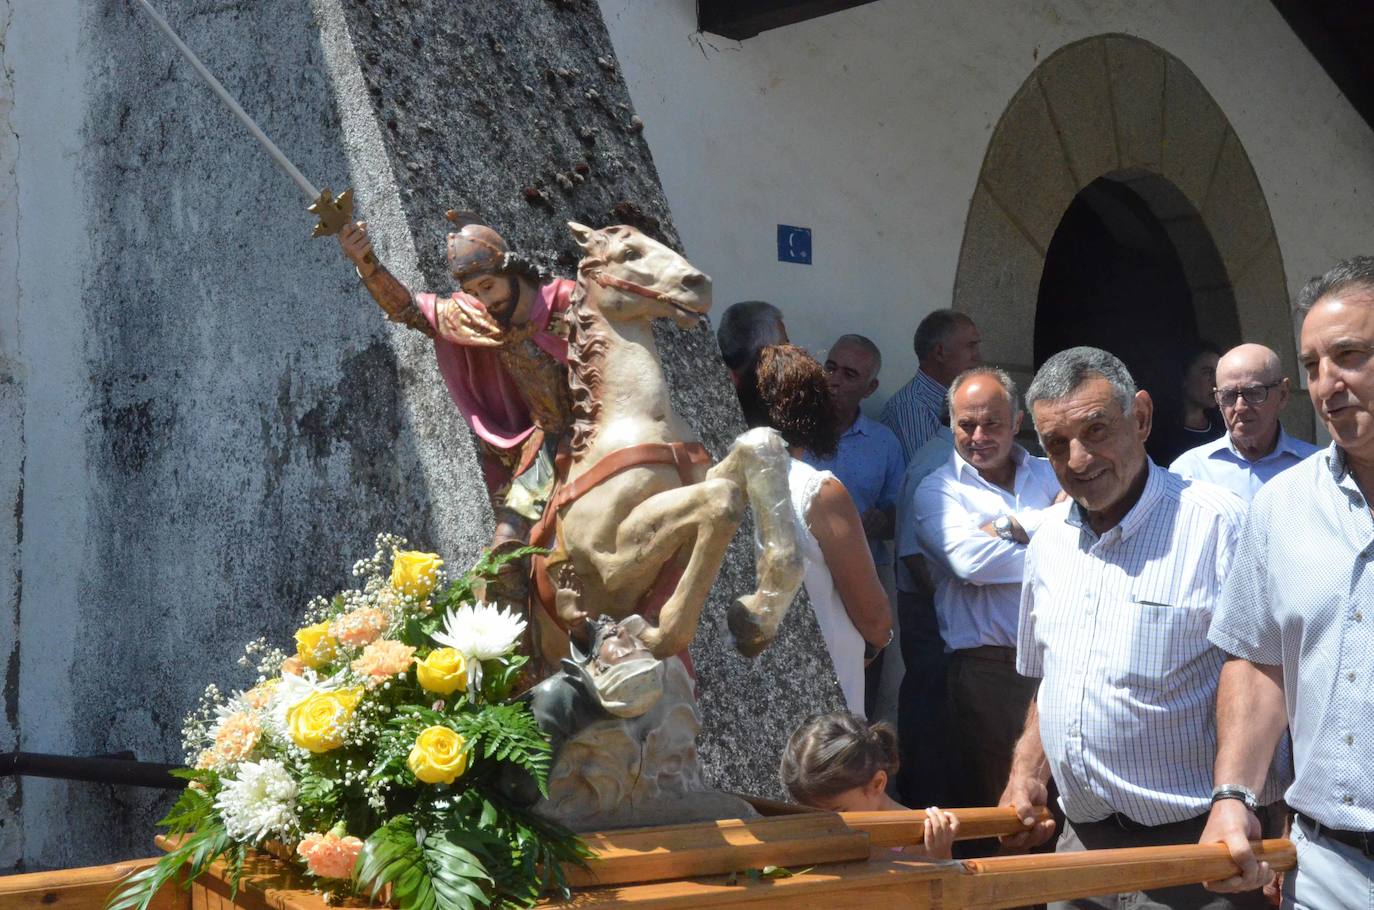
(120, 768)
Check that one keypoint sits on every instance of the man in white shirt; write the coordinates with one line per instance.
(1120, 588)
(974, 517)
(1251, 391)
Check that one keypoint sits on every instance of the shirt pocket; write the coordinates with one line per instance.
(1161, 636)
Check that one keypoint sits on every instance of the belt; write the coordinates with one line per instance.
(997, 653)
(1360, 840)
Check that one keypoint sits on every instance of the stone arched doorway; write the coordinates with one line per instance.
(1126, 124)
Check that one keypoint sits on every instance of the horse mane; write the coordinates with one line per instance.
(587, 343)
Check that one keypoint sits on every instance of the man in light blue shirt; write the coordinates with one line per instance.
(1251, 391)
(868, 460)
(922, 777)
(1297, 619)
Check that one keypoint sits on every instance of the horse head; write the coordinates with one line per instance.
(643, 279)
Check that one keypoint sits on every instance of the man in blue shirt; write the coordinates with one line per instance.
(1251, 391)
(868, 461)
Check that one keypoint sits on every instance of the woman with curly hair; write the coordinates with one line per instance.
(850, 604)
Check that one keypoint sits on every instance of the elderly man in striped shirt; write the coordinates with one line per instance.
(1119, 590)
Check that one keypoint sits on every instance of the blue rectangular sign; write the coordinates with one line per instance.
(794, 244)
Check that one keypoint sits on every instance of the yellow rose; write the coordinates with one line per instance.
(318, 722)
(438, 756)
(443, 672)
(414, 573)
(315, 647)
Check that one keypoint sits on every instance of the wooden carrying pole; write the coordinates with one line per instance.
(1014, 881)
(906, 827)
(991, 884)
(668, 864)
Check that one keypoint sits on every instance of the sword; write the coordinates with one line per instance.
(333, 212)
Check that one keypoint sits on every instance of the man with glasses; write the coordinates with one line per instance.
(1251, 391)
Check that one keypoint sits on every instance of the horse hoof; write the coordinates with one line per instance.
(750, 640)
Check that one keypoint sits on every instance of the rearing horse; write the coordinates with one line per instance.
(642, 519)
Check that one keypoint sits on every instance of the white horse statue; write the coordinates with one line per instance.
(643, 519)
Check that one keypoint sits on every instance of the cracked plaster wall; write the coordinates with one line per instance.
(207, 417)
(11, 448)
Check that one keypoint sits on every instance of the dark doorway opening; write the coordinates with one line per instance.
(1117, 277)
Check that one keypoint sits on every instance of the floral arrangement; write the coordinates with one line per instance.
(385, 752)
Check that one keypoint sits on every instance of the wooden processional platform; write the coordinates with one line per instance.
(787, 861)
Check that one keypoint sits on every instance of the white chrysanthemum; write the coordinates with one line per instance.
(480, 632)
(260, 803)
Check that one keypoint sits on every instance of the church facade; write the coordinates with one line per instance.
(934, 151)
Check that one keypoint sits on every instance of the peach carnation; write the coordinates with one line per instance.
(384, 658)
(260, 696)
(292, 666)
(328, 855)
(359, 627)
(236, 736)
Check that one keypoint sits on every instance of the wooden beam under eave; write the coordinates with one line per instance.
(740, 19)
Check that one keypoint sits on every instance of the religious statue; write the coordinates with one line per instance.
(623, 727)
(640, 520)
(501, 344)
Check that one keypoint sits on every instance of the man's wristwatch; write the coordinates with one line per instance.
(1002, 525)
(1236, 791)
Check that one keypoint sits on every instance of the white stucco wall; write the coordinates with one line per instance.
(869, 126)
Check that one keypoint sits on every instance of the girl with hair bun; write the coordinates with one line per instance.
(837, 762)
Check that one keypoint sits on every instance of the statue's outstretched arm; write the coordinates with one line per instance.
(391, 295)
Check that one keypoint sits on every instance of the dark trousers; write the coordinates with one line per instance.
(988, 701)
(1111, 833)
(922, 779)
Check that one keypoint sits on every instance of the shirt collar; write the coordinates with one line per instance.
(1340, 473)
(1284, 445)
(964, 470)
(861, 426)
(1140, 512)
(928, 386)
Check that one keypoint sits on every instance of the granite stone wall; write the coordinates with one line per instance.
(205, 419)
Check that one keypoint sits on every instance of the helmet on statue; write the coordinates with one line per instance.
(475, 247)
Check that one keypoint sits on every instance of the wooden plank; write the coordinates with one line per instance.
(840, 886)
(267, 884)
(1015, 881)
(903, 827)
(85, 888)
(708, 848)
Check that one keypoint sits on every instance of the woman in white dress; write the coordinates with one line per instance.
(850, 604)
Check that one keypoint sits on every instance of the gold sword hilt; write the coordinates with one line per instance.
(334, 212)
